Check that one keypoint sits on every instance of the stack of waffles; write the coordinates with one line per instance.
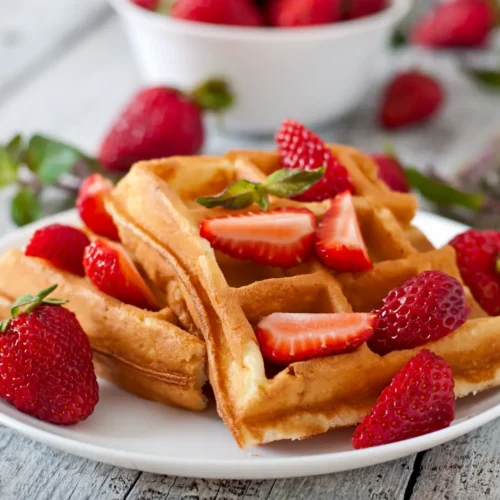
(213, 302)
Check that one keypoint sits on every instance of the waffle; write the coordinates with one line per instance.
(224, 299)
(141, 351)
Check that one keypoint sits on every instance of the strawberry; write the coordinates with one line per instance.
(300, 148)
(426, 307)
(231, 12)
(157, 122)
(146, 4)
(285, 338)
(411, 97)
(282, 237)
(61, 245)
(90, 205)
(46, 361)
(419, 400)
(294, 13)
(391, 172)
(112, 271)
(362, 8)
(457, 23)
(478, 258)
(339, 243)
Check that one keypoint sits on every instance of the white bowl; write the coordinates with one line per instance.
(313, 74)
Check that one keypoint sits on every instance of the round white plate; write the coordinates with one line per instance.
(130, 432)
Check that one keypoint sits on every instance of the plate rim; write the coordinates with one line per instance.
(259, 467)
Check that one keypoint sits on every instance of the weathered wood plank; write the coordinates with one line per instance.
(32, 33)
(30, 470)
(465, 469)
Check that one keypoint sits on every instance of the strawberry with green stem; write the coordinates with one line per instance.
(46, 361)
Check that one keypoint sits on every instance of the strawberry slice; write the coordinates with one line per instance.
(111, 270)
(339, 243)
(281, 238)
(90, 205)
(288, 337)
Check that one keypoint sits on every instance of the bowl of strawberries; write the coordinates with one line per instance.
(310, 59)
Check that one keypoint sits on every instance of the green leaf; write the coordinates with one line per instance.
(240, 194)
(10, 158)
(485, 77)
(290, 182)
(25, 207)
(213, 95)
(49, 159)
(398, 39)
(441, 193)
(33, 301)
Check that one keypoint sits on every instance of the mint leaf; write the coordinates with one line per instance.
(240, 194)
(49, 159)
(10, 158)
(25, 207)
(398, 38)
(443, 194)
(290, 182)
(213, 95)
(485, 77)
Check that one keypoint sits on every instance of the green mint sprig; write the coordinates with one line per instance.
(36, 165)
(284, 183)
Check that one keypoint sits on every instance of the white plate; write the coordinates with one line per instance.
(130, 432)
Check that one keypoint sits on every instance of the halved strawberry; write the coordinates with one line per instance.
(288, 337)
(111, 270)
(281, 238)
(90, 205)
(339, 243)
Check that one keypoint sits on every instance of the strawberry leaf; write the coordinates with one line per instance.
(485, 77)
(49, 159)
(213, 95)
(240, 194)
(443, 194)
(290, 182)
(25, 207)
(10, 157)
(33, 301)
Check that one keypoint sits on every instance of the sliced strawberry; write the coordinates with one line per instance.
(288, 337)
(339, 243)
(281, 238)
(61, 245)
(111, 270)
(90, 205)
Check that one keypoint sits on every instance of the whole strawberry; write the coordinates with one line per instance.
(46, 365)
(457, 23)
(362, 8)
(295, 13)
(300, 148)
(478, 258)
(419, 400)
(61, 245)
(158, 122)
(90, 204)
(410, 97)
(231, 12)
(391, 171)
(427, 307)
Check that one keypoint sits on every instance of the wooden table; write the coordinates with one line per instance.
(65, 71)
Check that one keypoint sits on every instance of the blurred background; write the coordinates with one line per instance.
(69, 68)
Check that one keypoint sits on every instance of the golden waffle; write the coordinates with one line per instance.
(155, 209)
(141, 351)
